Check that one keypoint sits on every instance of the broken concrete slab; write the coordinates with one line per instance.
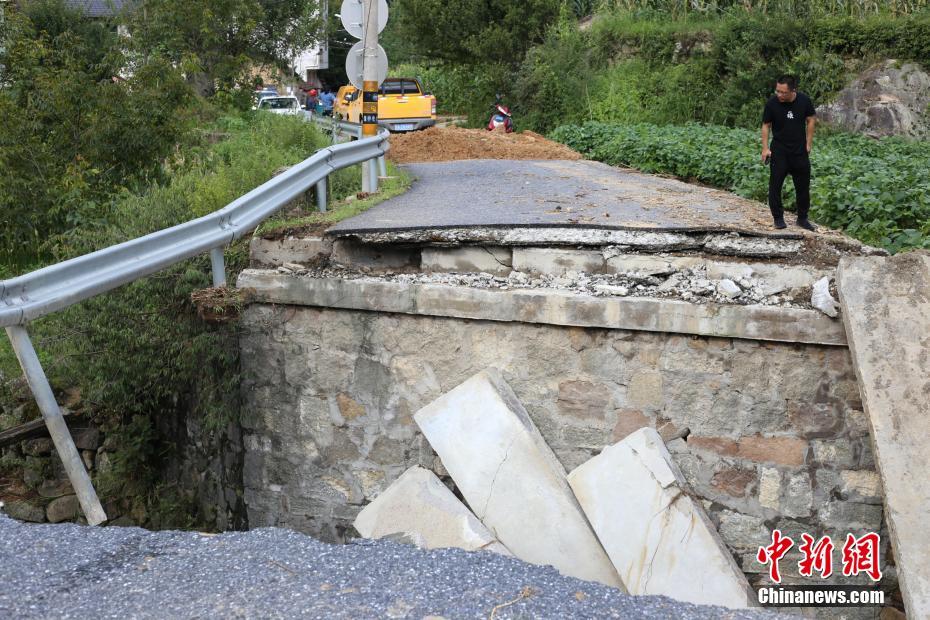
(511, 478)
(547, 306)
(276, 252)
(496, 260)
(419, 505)
(657, 241)
(559, 261)
(738, 245)
(886, 310)
(659, 539)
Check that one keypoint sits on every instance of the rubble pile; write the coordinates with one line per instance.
(689, 284)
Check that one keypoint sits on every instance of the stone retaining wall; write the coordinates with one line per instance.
(778, 437)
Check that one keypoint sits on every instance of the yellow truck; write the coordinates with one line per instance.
(402, 105)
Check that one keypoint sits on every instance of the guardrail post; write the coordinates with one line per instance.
(321, 195)
(373, 171)
(366, 177)
(219, 267)
(51, 413)
(382, 166)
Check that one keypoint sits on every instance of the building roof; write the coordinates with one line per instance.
(97, 8)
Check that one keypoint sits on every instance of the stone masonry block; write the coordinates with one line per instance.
(510, 477)
(658, 537)
(789, 451)
(419, 504)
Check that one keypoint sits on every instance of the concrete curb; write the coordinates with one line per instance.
(548, 307)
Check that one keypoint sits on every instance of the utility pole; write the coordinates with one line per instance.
(370, 71)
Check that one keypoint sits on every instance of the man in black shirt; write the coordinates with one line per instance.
(790, 114)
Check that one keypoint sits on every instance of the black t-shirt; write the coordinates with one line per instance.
(789, 123)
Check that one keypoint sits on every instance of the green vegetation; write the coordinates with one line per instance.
(630, 68)
(216, 43)
(678, 87)
(878, 191)
(470, 31)
(140, 355)
(647, 66)
(796, 8)
(103, 139)
(71, 136)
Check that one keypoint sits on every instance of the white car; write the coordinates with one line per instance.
(287, 104)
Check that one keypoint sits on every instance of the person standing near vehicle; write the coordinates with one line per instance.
(328, 99)
(312, 100)
(790, 115)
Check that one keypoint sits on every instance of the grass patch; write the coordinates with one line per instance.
(397, 182)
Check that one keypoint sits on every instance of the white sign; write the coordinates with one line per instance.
(355, 61)
(353, 18)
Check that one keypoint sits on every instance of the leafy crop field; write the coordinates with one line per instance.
(878, 191)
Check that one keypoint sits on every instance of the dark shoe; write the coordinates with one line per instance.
(779, 224)
(807, 225)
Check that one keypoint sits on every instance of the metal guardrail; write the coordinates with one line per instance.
(36, 294)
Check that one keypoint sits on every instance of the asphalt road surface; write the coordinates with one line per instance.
(558, 193)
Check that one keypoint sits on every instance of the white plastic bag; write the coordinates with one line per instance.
(822, 299)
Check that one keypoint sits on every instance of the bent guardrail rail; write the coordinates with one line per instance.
(36, 294)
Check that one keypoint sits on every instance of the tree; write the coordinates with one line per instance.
(216, 42)
(72, 132)
(475, 30)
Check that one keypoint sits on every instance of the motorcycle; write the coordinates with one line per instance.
(501, 117)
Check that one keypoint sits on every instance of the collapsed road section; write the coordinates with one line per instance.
(621, 310)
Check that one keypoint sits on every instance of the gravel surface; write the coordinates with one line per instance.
(71, 571)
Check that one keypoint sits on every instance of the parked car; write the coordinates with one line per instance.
(287, 104)
(268, 91)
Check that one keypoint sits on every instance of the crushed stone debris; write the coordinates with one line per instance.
(455, 143)
(71, 571)
(690, 284)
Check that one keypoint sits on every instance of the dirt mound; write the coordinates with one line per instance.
(455, 143)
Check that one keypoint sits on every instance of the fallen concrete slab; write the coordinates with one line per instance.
(510, 477)
(658, 538)
(548, 306)
(419, 504)
(886, 309)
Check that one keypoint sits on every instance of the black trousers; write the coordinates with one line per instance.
(799, 167)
